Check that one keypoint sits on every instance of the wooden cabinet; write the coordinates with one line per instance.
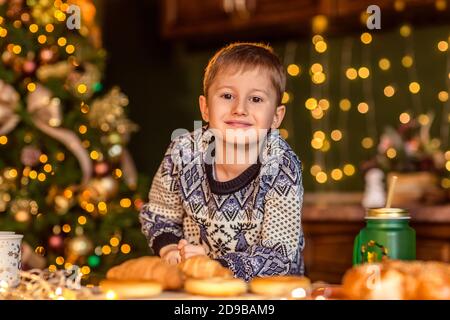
(202, 19)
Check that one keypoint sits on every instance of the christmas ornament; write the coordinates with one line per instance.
(57, 70)
(100, 189)
(22, 209)
(101, 168)
(93, 261)
(47, 55)
(79, 246)
(29, 66)
(56, 242)
(81, 80)
(30, 156)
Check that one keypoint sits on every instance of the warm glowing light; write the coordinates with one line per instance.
(404, 117)
(82, 88)
(351, 73)
(111, 295)
(17, 49)
(367, 143)
(345, 104)
(349, 169)
(70, 49)
(321, 46)
(336, 135)
(31, 86)
(443, 96)
(389, 91)
(311, 104)
(315, 169)
(114, 241)
(125, 203)
(366, 38)
(324, 104)
(42, 39)
(66, 228)
(442, 46)
(363, 72)
(82, 220)
(414, 87)
(3, 140)
(293, 70)
(102, 206)
(405, 31)
(321, 177)
(33, 28)
(94, 155)
(363, 107)
(62, 41)
(391, 153)
(384, 64)
(125, 248)
(337, 174)
(316, 143)
(106, 249)
(318, 78)
(316, 68)
(285, 99)
(407, 61)
(82, 129)
(424, 119)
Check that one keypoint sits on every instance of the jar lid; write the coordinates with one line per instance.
(387, 213)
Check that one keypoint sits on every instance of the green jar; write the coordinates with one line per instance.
(387, 235)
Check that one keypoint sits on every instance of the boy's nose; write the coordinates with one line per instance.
(240, 108)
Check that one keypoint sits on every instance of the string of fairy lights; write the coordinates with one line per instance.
(318, 104)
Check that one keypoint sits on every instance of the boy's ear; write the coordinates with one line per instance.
(203, 108)
(278, 117)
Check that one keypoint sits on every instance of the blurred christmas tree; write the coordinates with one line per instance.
(67, 181)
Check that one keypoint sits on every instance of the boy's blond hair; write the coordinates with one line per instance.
(244, 56)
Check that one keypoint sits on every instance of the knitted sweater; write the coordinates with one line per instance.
(250, 224)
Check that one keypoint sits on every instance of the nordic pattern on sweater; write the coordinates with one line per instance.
(255, 230)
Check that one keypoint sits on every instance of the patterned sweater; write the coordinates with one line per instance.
(250, 224)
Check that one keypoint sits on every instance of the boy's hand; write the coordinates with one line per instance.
(170, 254)
(189, 250)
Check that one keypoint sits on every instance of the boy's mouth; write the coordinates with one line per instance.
(238, 124)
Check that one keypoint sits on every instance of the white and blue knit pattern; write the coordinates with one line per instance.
(255, 231)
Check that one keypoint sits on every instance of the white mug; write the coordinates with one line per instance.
(10, 258)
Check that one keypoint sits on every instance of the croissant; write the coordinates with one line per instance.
(395, 279)
(202, 267)
(148, 268)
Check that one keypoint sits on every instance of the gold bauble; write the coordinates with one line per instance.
(79, 246)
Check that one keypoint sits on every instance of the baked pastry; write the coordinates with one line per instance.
(131, 289)
(216, 287)
(400, 280)
(202, 267)
(278, 285)
(148, 268)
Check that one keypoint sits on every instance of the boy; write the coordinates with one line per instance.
(232, 190)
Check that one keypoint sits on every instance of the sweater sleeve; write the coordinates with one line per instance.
(162, 216)
(279, 250)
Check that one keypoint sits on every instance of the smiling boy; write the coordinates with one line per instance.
(232, 190)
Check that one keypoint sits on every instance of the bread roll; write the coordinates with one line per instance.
(216, 287)
(202, 267)
(131, 289)
(148, 268)
(278, 285)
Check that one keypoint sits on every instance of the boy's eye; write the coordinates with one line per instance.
(256, 99)
(227, 96)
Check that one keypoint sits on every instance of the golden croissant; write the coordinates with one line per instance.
(148, 268)
(202, 267)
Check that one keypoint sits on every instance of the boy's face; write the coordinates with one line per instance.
(239, 104)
